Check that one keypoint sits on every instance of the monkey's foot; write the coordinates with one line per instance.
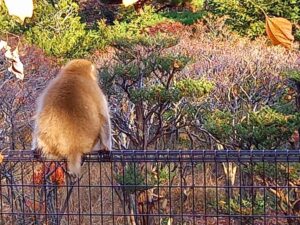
(82, 161)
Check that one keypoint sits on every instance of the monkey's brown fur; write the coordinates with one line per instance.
(72, 115)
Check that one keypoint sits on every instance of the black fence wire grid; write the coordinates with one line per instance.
(163, 187)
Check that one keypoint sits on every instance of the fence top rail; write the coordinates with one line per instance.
(171, 156)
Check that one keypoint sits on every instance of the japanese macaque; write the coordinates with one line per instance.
(72, 116)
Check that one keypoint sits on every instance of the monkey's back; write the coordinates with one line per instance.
(69, 119)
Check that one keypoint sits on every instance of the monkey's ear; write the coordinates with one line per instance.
(94, 69)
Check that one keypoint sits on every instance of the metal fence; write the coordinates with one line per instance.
(153, 187)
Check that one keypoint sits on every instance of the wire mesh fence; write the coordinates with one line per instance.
(153, 187)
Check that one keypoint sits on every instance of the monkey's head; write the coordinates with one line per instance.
(81, 67)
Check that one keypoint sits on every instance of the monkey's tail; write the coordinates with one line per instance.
(74, 164)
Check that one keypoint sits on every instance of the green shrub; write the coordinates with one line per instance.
(186, 88)
(130, 25)
(59, 31)
(132, 176)
(185, 17)
(219, 123)
(247, 18)
(293, 75)
(264, 129)
(268, 128)
(191, 88)
(244, 206)
(195, 4)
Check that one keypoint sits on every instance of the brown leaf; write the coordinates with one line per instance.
(279, 30)
(17, 69)
(1, 158)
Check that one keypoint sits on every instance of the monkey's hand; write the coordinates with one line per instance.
(37, 154)
(105, 154)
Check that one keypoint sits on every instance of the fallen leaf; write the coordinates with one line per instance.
(1, 158)
(3, 44)
(279, 30)
(17, 68)
(58, 176)
(19, 8)
(129, 2)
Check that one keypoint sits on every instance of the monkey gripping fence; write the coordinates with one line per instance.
(153, 187)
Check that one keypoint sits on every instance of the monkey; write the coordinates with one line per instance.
(72, 116)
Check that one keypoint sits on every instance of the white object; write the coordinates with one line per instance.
(3, 44)
(19, 8)
(129, 2)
